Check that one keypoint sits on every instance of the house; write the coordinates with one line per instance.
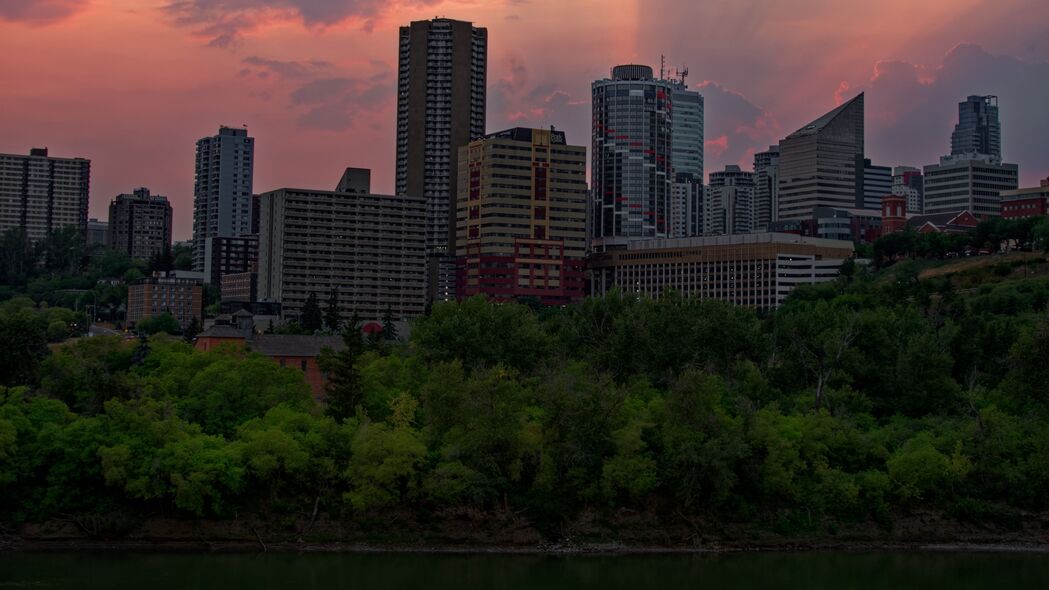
(957, 222)
(294, 351)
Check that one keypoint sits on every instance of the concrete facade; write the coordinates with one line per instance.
(41, 194)
(222, 188)
(140, 224)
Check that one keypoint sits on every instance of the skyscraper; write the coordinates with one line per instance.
(140, 224)
(222, 188)
(636, 156)
(978, 131)
(821, 163)
(521, 217)
(766, 188)
(41, 194)
(441, 97)
(872, 185)
(727, 206)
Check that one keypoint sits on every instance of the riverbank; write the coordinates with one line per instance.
(498, 533)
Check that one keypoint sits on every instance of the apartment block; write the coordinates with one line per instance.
(521, 217)
(370, 249)
(140, 224)
(163, 293)
(41, 193)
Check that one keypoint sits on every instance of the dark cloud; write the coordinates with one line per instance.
(911, 109)
(734, 127)
(222, 22)
(286, 69)
(329, 104)
(40, 12)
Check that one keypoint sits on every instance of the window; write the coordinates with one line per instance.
(302, 364)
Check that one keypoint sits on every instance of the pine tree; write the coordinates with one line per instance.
(191, 330)
(389, 329)
(311, 318)
(345, 390)
(332, 319)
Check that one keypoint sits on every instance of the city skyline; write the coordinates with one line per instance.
(316, 81)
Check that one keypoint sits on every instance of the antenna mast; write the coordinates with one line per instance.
(662, 65)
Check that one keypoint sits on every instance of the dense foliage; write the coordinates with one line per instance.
(855, 401)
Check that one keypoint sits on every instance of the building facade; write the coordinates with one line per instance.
(97, 233)
(1026, 202)
(140, 224)
(820, 165)
(978, 131)
(968, 184)
(521, 217)
(441, 99)
(766, 188)
(877, 182)
(633, 150)
(241, 287)
(229, 255)
(728, 202)
(753, 270)
(369, 249)
(162, 293)
(908, 182)
(41, 194)
(222, 188)
(686, 207)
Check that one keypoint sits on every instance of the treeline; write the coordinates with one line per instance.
(989, 237)
(857, 401)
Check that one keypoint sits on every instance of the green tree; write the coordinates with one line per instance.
(23, 345)
(389, 328)
(164, 322)
(332, 319)
(192, 329)
(311, 318)
(344, 391)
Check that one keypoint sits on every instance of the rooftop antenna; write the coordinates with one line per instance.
(684, 74)
(662, 65)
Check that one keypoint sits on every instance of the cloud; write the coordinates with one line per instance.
(912, 108)
(40, 12)
(734, 127)
(284, 69)
(329, 104)
(223, 22)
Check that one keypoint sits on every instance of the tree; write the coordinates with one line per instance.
(182, 257)
(191, 331)
(23, 344)
(311, 318)
(345, 389)
(164, 322)
(389, 329)
(332, 319)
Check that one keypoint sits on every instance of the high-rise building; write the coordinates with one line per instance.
(521, 217)
(754, 270)
(369, 249)
(875, 183)
(140, 224)
(908, 182)
(40, 193)
(441, 95)
(633, 161)
(222, 188)
(687, 136)
(225, 255)
(686, 207)
(728, 202)
(968, 184)
(766, 188)
(978, 132)
(821, 163)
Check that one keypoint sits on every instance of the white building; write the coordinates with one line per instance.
(222, 188)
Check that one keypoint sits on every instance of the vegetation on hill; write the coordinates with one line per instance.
(857, 401)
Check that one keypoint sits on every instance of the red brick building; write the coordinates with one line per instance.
(893, 213)
(182, 298)
(293, 351)
(1026, 202)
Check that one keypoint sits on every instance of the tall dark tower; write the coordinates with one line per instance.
(978, 130)
(441, 92)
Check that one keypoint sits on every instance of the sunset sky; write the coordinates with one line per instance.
(132, 84)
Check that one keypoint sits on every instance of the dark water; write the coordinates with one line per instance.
(926, 570)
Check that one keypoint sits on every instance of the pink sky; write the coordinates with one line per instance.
(132, 84)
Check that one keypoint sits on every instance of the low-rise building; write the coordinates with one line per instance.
(241, 286)
(1026, 202)
(162, 293)
(857, 225)
(97, 232)
(955, 222)
(292, 351)
(754, 270)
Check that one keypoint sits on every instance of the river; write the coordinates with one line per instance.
(930, 570)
